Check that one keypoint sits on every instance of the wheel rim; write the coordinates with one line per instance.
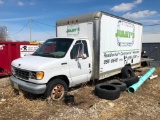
(57, 92)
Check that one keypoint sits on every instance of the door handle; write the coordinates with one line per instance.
(63, 63)
(89, 65)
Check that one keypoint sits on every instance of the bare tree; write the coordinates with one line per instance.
(3, 33)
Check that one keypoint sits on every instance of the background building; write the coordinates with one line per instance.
(151, 44)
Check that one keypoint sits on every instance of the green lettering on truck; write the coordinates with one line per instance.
(73, 30)
(124, 34)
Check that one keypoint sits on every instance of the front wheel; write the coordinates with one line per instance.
(56, 89)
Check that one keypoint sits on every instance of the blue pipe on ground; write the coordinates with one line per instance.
(134, 87)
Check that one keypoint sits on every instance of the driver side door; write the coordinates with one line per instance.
(80, 63)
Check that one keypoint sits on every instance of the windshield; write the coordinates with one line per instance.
(56, 48)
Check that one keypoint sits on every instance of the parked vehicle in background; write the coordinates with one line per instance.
(88, 47)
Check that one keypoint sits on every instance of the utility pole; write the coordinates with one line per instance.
(30, 29)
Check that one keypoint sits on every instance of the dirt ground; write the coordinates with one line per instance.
(144, 104)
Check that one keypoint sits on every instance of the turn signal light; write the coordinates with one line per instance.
(39, 75)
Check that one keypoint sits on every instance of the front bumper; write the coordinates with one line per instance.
(27, 86)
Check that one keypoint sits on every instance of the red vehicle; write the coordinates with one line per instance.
(10, 51)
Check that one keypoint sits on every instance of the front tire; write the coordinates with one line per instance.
(56, 89)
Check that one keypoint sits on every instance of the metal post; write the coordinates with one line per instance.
(30, 29)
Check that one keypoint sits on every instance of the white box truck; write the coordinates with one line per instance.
(88, 47)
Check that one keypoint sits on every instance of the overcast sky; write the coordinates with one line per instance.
(15, 14)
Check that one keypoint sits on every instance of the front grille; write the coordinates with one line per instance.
(23, 74)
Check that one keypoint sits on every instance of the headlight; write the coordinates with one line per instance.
(37, 75)
(32, 75)
(13, 70)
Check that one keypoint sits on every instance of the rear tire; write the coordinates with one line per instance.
(127, 72)
(56, 89)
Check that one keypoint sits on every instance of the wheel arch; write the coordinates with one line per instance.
(62, 77)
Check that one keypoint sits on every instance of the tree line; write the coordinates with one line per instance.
(3, 33)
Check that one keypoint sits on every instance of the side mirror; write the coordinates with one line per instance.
(78, 51)
(84, 56)
(76, 58)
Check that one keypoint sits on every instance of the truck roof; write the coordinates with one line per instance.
(89, 17)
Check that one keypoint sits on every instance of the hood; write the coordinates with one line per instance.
(36, 63)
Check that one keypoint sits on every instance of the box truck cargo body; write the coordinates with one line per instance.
(114, 41)
(88, 47)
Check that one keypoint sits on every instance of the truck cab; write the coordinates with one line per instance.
(56, 65)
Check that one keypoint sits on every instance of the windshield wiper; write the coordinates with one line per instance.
(44, 54)
(48, 55)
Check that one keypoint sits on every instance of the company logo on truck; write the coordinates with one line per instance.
(125, 33)
(73, 30)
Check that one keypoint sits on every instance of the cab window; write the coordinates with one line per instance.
(78, 49)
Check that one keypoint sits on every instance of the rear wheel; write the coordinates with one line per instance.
(56, 89)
